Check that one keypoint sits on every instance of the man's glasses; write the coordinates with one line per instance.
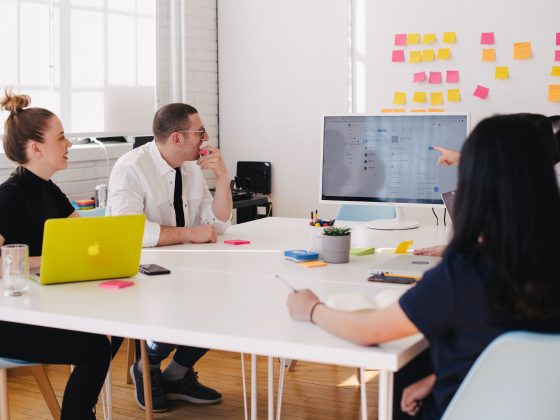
(201, 132)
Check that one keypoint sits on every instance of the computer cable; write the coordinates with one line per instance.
(435, 215)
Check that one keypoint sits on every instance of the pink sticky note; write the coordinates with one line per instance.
(400, 39)
(435, 77)
(556, 55)
(557, 38)
(116, 284)
(419, 77)
(481, 92)
(452, 76)
(487, 38)
(236, 242)
(398, 56)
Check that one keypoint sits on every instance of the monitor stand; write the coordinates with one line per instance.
(398, 223)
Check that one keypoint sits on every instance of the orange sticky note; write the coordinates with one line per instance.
(554, 93)
(449, 37)
(403, 247)
(384, 110)
(312, 264)
(502, 72)
(488, 54)
(412, 39)
(428, 55)
(444, 54)
(418, 110)
(435, 110)
(454, 95)
(415, 57)
(436, 98)
(555, 71)
(398, 110)
(399, 98)
(429, 38)
(522, 50)
(419, 97)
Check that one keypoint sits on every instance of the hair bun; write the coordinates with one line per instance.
(14, 103)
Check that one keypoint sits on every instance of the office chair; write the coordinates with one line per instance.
(516, 377)
(38, 371)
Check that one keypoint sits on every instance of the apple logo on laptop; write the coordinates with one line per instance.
(93, 250)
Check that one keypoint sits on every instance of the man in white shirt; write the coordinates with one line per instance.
(163, 180)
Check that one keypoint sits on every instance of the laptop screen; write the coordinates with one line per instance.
(449, 201)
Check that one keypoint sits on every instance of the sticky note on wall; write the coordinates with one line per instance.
(556, 55)
(557, 38)
(554, 93)
(488, 54)
(522, 50)
(429, 38)
(398, 56)
(555, 71)
(452, 76)
(435, 77)
(428, 55)
(400, 39)
(436, 98)
(444, 54)
(419, 77)
(419, 97)
(502, 72)
(454, 95)
(415, 57)
(412, 39)
(481, 92)
(399, 98)
(487, 38)
(449, 37)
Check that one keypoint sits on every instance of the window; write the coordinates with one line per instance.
(92, 62)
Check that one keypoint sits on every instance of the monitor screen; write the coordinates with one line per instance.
(389, 158)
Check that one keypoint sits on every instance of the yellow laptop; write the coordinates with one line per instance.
(91, 248)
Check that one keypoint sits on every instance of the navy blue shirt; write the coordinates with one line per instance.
(452, 307)
(26, 202)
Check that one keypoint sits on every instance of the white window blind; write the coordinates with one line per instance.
(92, 62)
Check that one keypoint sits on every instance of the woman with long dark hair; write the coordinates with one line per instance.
(499, 272)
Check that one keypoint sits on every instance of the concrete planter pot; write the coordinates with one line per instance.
(336, 249)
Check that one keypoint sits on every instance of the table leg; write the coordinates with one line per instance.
(385, 395)
(148, 404)
(270, 388)
(363, 396)
(253, 387)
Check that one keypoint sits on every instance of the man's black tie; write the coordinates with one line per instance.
(178, 199)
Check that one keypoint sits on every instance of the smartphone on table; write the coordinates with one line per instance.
(153, 269)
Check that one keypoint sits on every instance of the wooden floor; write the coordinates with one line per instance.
(312, 391)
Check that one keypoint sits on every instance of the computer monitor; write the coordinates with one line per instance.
(389, 159)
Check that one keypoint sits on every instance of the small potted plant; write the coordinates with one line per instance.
(336, 244)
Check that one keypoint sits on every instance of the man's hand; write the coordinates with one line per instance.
(300, 304)
(213, 160)
(413, 395)
(432, 251)
(201, 234)
(448, 157)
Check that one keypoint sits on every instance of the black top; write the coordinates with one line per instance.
(26, 202)
(452, 307)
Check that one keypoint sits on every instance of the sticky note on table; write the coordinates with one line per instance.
(522, 50)
(398, 56)
(419, 77)
(481, 92)
(116, 284)
(415, 57)
(444, 54)
(487, 38)
(429, 38)
(399, 98)
(236, 242)
(312, 264)
(436, 98)
(555, 71)
(400, 39)
(452, 76)
(454, 95)
(403, 247)
(449, 37)
(554, 93)
(359, 252)
(419, 97)
(556, 55)
(435, 77)
(488, 54)
(502, 72)
(428, 55)
(412, 39)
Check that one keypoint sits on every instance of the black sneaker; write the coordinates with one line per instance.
(158, 398)
(189, 389)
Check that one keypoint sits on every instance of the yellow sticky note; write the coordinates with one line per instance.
(415, 57)
(449, 37)
(428, 55)
(435, 110)
(312, 264)
(418, 110)
(403, 247)
(419, 97)
(555, 71)
(488, 54)
(554, 93)
(522, 50)
(444, 54)
(412, 39)
(399, 98)
(436, 98)
(502, 72)
(429, 38)
(454, 95)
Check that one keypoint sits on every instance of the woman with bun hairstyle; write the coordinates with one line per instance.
(34, 138)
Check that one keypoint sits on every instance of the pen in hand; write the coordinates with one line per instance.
(285, 282)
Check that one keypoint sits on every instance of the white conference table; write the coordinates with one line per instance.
(228, 299)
